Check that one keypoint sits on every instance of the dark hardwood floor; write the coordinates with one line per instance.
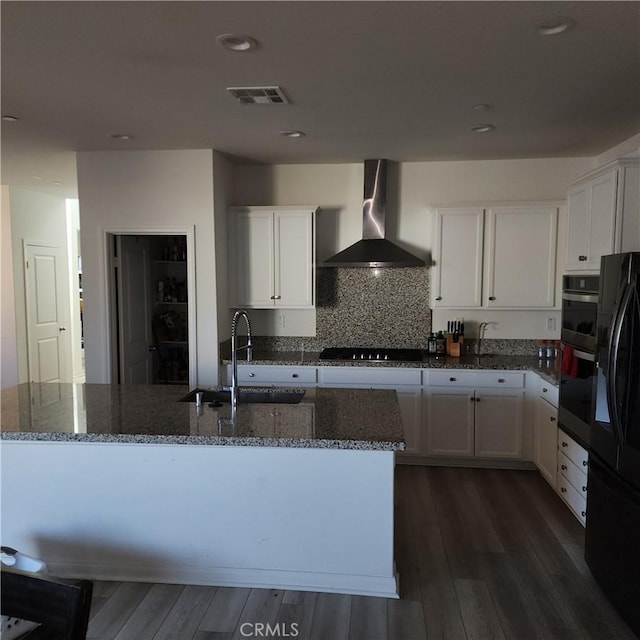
(481, 554)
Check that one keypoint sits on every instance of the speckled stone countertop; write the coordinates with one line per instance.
(547, 369)
(326, 418)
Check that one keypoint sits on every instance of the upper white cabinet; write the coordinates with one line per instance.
(501, 257)
(272, 257)
(603, 215)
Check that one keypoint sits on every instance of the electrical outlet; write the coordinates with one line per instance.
(281, 320)
(551, 323)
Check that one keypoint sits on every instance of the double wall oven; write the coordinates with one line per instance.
(578, 355)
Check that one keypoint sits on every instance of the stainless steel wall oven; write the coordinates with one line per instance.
(578, 353)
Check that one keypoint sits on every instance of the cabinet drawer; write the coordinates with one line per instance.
(576, 502)
(572, 450)
(457, 378)
(577, 477)
(549, 392)
(276, 375)
(366, 375)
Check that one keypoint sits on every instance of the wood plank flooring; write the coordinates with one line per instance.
(481, 554)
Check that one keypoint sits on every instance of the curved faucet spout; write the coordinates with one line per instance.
(234, 355)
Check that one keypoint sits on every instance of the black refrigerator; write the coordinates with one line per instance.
(612, 542)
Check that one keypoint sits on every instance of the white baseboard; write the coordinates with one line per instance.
(376, 586)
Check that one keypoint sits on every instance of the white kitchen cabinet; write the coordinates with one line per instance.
(545, 440)
(457, 258)
(573, 464)
(482, 421)
(603, 215)
(405, 381)
(502, 257)
(272, 257)
(274, 375)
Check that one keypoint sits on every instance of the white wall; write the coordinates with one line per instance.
(337, 189)
(154, 191)
(36, 218)
(8, 337)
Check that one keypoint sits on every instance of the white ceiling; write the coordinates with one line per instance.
(366, 79)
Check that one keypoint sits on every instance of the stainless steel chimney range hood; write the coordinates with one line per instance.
(374, 250)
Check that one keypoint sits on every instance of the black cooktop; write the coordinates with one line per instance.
(372, 354)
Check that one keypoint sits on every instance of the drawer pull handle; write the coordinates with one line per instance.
(552, 418)
(252, 375)
(563, 490)
(492, 297)
(584, 514)
(564, 444)
(584, 489)
(544, 389)
(585, 463)
(582, 258)
(438, 298)
(563, 467)
(276, 297)
(295, 375)
(452, 379)
(501, 380)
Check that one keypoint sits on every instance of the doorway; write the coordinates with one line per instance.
(151, 314)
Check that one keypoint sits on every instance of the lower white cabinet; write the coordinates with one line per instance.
(276, 375)
(545, 439)
(482, 421)
(573, 461)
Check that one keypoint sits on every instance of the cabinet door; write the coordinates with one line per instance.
(294, 259)
(602, 218)
(577, 227)
(450, 418)
(520, 244)
(457, 253)
(252, 259)
(409, 399)
(545, 441)
(498, 421)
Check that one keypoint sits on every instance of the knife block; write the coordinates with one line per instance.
(454, 348)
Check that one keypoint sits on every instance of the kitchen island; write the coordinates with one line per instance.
(126, 483)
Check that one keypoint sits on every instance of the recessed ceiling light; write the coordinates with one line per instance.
(122, 136)
(8, 118)
(554, 25)
(293, 133)
(481, 107)
(236, 42)
(482, 128)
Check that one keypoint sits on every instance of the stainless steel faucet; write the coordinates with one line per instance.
(482, 327)
(234, 355)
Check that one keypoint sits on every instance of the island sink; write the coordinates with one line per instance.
(248, 395)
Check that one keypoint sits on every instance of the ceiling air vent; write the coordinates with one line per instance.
(258, 95)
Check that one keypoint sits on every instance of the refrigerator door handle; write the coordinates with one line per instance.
(614, 348)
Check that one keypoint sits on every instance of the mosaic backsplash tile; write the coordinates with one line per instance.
(384, 308)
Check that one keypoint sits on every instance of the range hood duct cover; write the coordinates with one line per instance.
(374, 250)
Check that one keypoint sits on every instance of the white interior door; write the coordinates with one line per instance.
(134, 312)
(47, 302)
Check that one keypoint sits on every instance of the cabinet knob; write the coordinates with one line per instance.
(472, 399)
(544, 389)
(563, 467)
(252, 375)
(477, 399)
(582, 258)
(584, 489)
(276, 297)
(585, 463)
(438, 298)
(584, 514)
(452, 379)
(492, 297)
(552, 418)
(563, 490)
(564, 444)
(295, 375)
(501, 380)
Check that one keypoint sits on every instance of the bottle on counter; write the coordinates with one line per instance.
(441, 344)
(431, 344)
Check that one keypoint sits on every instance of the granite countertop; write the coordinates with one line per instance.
(361, 419)
(496, 362)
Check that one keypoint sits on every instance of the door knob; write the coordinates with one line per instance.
(62, 328)
(438, 298)
(152, 347)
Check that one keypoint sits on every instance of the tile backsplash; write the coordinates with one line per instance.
(386, 307)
